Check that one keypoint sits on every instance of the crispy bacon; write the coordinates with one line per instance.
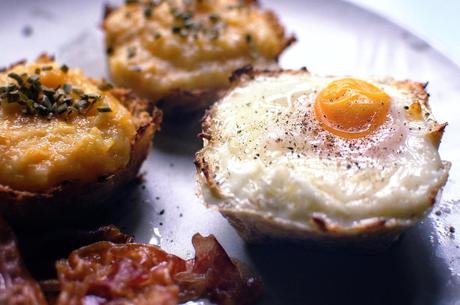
(16, 285)
(212, 274)
(128, 273)
(106, 273)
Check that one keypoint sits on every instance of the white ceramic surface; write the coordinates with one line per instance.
(434, 21)
(334, 38)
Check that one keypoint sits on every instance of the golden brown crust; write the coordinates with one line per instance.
(436, 133)
(254, 227)
(187, 101)
(421, 98)
(72, 199)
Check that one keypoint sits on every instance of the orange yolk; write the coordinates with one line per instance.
(351, 108)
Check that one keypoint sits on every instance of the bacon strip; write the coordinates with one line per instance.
(128, 273)
(212, 274)
(16, 285)
(140, 274)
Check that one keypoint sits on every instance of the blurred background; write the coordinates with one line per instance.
(436, 22)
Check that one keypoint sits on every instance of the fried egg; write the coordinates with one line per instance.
(182, 52)
(293, 155)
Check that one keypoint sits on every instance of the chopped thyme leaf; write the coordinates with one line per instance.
(105, 86)
(33, 79)
(47, 68)
(13, 96)
(128, 2)
(64, 68)
(91, 97)
(46, 102)
(186, 15)
(61, 108)
(17, 78)
(77, 91)
(109, 50)
(248, 38)
(41, 109)
(38, 70)
(214, 18)
(131, 52)
(67, 88)
(176, 29)
(59, 93)
(157, 35)
(48, 91)
(82, 104)
(175, 12)
(68, 101)
(214, 34)
(104, 109)
(188, 25)
(148, 11)
(4, 88)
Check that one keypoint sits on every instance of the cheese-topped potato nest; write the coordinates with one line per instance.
(293, 155)
(62, 133)
(183, 52)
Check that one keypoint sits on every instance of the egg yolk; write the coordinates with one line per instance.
(351, 108)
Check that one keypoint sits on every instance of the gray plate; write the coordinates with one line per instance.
(334, 38)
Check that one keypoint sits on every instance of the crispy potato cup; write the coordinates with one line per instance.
(68, 143)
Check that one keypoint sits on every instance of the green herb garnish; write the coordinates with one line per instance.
(105, 86)
(148, 10)
(34, 98)
(185, 25)
(64, 68)
(17, 78)
(176, 29)
(67, 88)
(104, 108)
(214, 18)
(109, 50)
(131, 52)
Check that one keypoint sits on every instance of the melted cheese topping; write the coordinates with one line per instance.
(270, 154)
(188, 45)
(38, 153)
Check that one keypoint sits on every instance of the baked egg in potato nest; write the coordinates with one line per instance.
(67, 142)
(293, 155)
(181, 53)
